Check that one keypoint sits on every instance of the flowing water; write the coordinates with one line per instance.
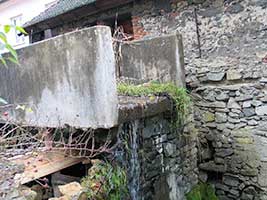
(134, 165)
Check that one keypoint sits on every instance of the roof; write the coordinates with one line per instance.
(61, 7)
(2, 1)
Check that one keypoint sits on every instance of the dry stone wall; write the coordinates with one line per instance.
(228, 85)
(162, 162)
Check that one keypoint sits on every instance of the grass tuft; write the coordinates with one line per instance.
(179, 95)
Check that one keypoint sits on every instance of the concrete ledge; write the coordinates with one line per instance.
(132, 108)
(159, 58)
(69, 79)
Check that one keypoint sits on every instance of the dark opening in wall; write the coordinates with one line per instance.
(214, 177)
(123, 22)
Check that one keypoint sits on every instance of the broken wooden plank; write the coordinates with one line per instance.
(41, 164)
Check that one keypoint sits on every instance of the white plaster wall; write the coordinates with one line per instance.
(27, 8)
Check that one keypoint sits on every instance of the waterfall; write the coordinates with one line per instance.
(134, 165)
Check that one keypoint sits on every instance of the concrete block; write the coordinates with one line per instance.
(160, 58)
(69, 79)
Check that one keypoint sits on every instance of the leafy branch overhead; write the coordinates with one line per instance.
(5, 46)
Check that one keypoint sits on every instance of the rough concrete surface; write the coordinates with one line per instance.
(66, 80)
(159, 58)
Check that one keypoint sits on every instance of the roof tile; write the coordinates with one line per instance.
(61, 7)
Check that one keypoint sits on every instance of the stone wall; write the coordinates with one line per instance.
(228, 85)
(162, 162)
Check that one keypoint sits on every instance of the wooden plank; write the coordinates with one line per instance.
(41, 164)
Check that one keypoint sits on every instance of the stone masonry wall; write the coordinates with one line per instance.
(162, 162)
(227, 83)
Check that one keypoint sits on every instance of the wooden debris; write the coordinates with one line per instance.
(38, 165)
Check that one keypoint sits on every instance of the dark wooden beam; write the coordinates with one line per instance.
(76, 14)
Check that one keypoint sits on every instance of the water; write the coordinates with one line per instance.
(134, 165)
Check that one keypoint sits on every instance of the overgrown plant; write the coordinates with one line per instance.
(105, 181)
(202, 191)
(178, 95)
(5, 46)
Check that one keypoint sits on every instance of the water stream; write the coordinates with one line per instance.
(134, 165)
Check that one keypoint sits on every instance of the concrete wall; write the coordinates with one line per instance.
(159, 58)
(66, 80)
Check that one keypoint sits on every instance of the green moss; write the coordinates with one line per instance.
(202, 191)
(105, 181)
(179, 95)
(208, 117)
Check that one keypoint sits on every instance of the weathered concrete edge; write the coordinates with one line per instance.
(176, 56)
(132, 108)
(56, 47)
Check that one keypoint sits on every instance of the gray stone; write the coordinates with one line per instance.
(263, 80)
(256, 103)
(233, 75)
(233, 120)
(252, 122)
(212, 166)
(216, 104)
(215, 76)
(203, 176)
(231, 114)
(224, 152)
(261, 110)
(264, 99)
(170, 149)
(221, 127)
(222, 187)
(222, 97)
(69, 79)
(220, 117)
(246, 104)
(231, 180)
(248, 112)
(234, 192)
(244, 97)
(235, 8)
(208, 117)
(237, 111)
(233, 104)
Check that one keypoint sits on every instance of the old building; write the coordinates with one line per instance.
(225, 63)
(17, 12)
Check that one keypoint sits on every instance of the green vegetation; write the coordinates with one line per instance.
(6, 47)
(105, 181)
(4, 44)
(179, 95)
(202, 191)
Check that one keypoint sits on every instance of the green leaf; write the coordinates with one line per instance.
(3, 37)
(3, 101)
(14, 60)
(12, 51)
(7, 28)
(3, 60)
(22, 30)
